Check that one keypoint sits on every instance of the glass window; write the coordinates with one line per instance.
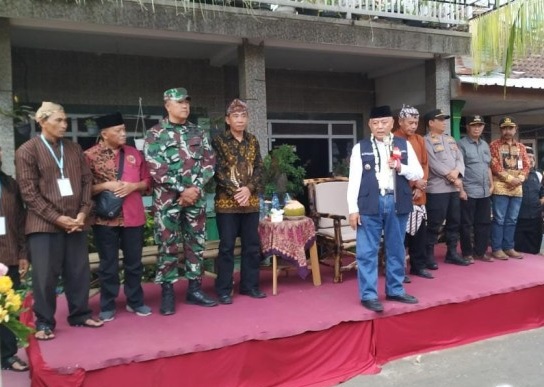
(342, 129)
(298, 128)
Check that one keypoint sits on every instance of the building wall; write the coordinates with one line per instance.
(403, 87)
(112, 81)
(74, 78)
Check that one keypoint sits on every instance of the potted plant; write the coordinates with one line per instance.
(91, 126)
(21, 115)
(281, 174)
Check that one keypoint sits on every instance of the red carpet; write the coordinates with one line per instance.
(304, 336)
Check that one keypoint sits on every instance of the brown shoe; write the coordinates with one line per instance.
(499, 254)
(513, 254)
(469, 258)
(484, 258)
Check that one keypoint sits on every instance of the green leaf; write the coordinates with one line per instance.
(20, 330)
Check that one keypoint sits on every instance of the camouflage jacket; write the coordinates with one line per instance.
(178, 156)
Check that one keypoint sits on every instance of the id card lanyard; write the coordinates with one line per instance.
(63, 183)
(2, 217)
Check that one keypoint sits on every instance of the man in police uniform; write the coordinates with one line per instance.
(446, 168)
(181, 161)
(379, 200)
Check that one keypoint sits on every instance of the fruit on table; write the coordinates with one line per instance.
(294, 208)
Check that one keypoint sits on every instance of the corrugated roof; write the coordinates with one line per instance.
(526, 73)
(498, 80)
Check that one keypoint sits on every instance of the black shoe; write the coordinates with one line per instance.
(253, 293)
(196, 296)
(432, 266)
(422, 273)
(404, 298)
(168, 299)
(407, 280)
(373, 305)
(224, 299)
(455, 259)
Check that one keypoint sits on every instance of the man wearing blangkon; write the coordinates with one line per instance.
(55, 184)
(181, 161)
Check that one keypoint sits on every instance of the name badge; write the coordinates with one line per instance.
(65, 187)
(2, 225)
(520, 164)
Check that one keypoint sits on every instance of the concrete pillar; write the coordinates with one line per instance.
(251, 70)
(7, 137)
(437, 85)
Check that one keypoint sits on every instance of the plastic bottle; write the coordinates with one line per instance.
(262, 208)
(275, 201)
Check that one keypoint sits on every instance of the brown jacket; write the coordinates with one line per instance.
(12, 245)
(37, 174)
(418, 143)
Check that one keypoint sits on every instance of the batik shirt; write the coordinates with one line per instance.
(239, 164)
(104, 164)
(508, 161)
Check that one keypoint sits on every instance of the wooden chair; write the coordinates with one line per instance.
(328, 208)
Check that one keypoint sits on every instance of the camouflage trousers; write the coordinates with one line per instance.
(175, 225)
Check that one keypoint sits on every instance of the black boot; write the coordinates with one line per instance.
(431, 260)
(196, 296)
(168, 300)
(454, 258)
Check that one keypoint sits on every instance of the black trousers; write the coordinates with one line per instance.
(230, 226)
(475, 226)
(440, 207)
(8, 342)
(130, 240)
(528, 235)
(53, 255)
(416, 247)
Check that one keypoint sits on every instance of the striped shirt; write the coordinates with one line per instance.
(37, 174)
(12, 245)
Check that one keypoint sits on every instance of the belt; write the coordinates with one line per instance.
(384, 192)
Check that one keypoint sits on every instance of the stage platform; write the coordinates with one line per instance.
(304, 336)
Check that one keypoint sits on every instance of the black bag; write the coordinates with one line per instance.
(107, 204)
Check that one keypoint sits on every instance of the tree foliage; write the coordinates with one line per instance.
(513, 31)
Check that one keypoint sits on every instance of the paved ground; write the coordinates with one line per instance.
(515, 360)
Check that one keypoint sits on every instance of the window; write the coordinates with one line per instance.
(314, 140)
(83, 130)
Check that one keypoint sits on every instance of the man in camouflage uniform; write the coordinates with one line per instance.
(181, 161)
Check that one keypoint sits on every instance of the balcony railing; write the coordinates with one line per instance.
(439, 12)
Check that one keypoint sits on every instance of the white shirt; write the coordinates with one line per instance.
(412, 171)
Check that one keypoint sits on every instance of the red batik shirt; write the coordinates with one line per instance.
(104, 163)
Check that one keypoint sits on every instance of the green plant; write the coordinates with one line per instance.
(21, 114)
(341, 168)
(281, 173)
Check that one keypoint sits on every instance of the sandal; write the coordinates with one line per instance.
(90, 323)
(14, 363)
(43, 333)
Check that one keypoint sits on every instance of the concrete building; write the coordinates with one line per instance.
(309, 80)
(487, 96)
